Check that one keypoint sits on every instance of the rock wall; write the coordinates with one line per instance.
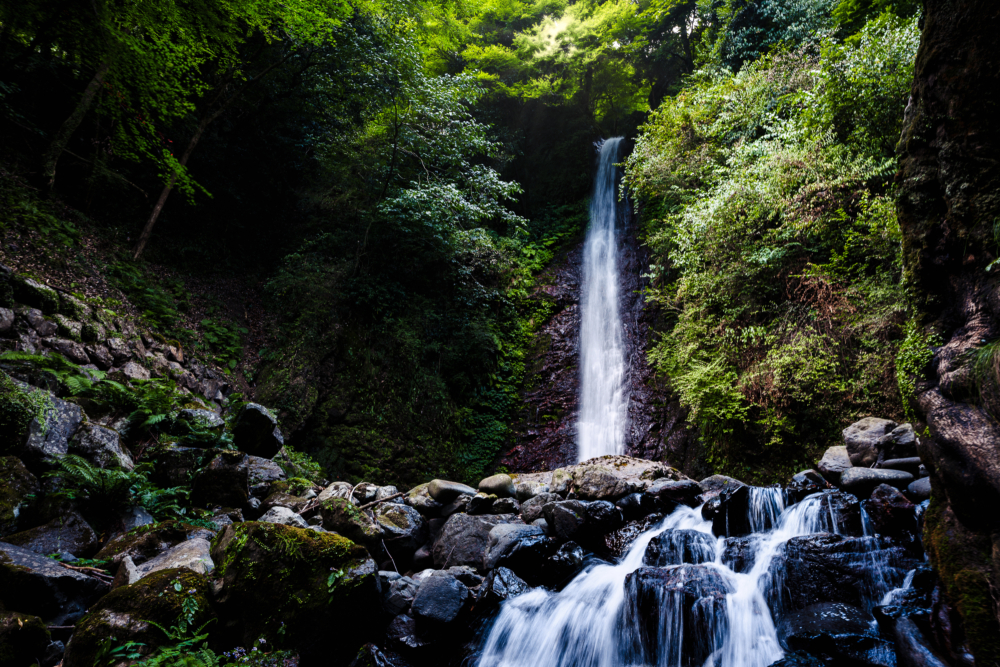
(949, 212)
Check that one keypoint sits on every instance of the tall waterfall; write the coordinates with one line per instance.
(601, 428)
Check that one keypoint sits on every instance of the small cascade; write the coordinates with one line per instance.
(679, 599)
(601, 426)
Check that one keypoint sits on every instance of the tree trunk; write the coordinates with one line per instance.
(69, 126)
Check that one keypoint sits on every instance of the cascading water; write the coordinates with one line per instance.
(694, 605)
(601, 427)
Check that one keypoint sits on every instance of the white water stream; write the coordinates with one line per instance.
(601, 426)
(584, 625)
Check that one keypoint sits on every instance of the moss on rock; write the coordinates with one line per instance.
(342, 516)
(16, 413)
(16, 484)
(149, 540)
(315, 592)
(23, 639)
(128, 614)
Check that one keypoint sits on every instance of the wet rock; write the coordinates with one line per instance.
(463, 539)
(740, 553)
(501, 584)
(712, 486)
(920, 489)
(531, 509)
(682, 492)
(502, 538)
(50, 439)
(842, 514)
(862, 481)
(398, 595)
(618, 542)
(501, 486)
(336, 588)
(481, 503)
(342, 517)
(804, 484)
(527, 555)
(912, 646)
(403, 529)
(33, 584)
(403, 634)
(636, 505)
(444, 491)
(711, 509)
(692, 597)
(440, 599)
(16, 485)
(128, 614)
(910, 465)
(745, 510)
(284, 516)
(862, 439)
(255, 431)
(101, 446)
(566, 518)
(602, 517)
(836, 632)
(673, 547)
(560, 568)
(892, 514)
(833, 568)
(799, 659)
(68, 533)
(833, 464)
(224, 482)
(24, 640)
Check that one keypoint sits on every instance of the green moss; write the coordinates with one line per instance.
(23, 638)
(911, 364)
(16, 413)
(35, 294)
(128, 613)
(148, 540)
(963, 560)
(91, 332)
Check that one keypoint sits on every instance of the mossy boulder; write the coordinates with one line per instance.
(16, 413)
(128, 614)
(16, 484)
(341, 516)
(35, 294)
(149, 541)
(74, 307)
(23, 639)
(317, 593)
(68, 328)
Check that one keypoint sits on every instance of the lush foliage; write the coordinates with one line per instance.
(776, 248)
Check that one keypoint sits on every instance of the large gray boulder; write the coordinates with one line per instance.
(33, 584)
(833, 464)
(256, 432)
(403, 529)
(463, 539)
(284, 516)
(500, 485)
(502, 537)
(194, 554)
(444, 491)
(101, 446)
(532, 509)
(862, 439)
(67, 533)
(49, 438)
(440, 599)
(862, 481)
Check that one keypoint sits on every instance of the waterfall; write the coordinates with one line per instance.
(601, 427)
(702, 610)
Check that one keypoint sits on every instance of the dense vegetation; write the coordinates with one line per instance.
(389, 176)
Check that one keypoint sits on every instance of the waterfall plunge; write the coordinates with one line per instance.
(601, 428)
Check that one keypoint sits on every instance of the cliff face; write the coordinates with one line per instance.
(949, 212)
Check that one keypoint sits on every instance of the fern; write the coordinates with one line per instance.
(105, 488)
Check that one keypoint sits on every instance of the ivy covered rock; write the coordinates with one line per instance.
(24, 639)
(16, 484)
(128, 614)
(315, 592)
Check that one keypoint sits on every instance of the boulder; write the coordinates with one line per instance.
(501, 585)
(256, 432)
(35, 294)
(133, 613)
(506, 506)
(68, 328)
(440, 599)
(671, 493)
(149, 541)
(602, 517)
(398, 595)
(284, 516)
(862, 481)
(920, 489)
(17, 484)
(592, 479)
(174, 465)
(910, 465)
(618, 542)
(597, 482)
(337, 490)
(444, 491)
(862, 439)
(461, 504)
(6, 320)
(892, 514)
(500, 485)
(364, 492)
(834, 462)
(335, 583)
(712, 486)
(42, 325)
(740, 553)
(194, 555)
(119, 349)
(263, 473)
(402, 633)
(49, 438)
(531, 509)
(842, 514)
(481, 503)
(403, 528)
(566, 518)
(899, 443)
(40, 586)
(201, 420)
(387, 492)
(224, 482)
(99, 356)
(686, 601)
(502, 538)
(673, 547)
(134, 371)
(68, 533)
(341, 516)
(529, 489)
(91, 332)
(833, 568)
(24, 640)
(101, 446)
(836, 632)
(562, 566)
(463, 539)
